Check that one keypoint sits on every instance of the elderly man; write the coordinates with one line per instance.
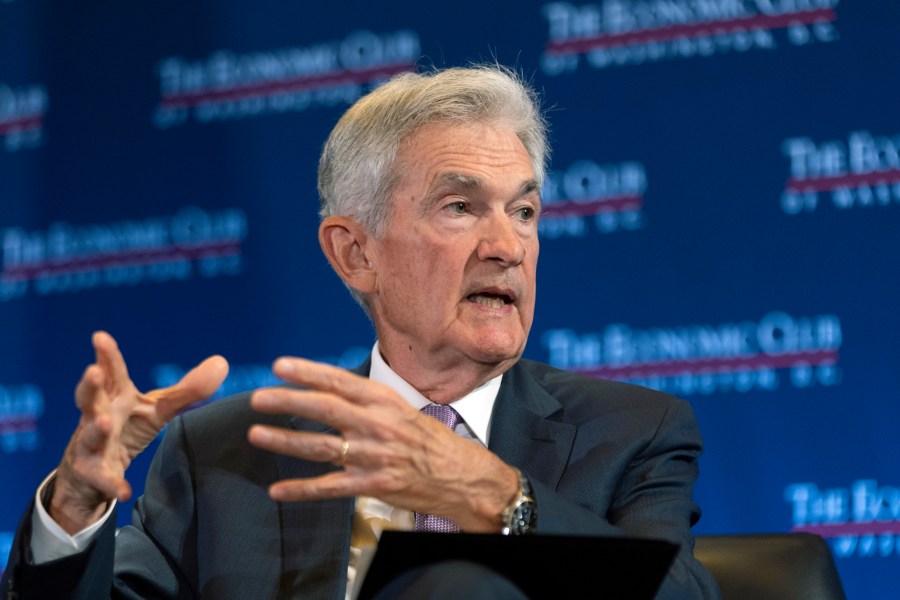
(430, 190)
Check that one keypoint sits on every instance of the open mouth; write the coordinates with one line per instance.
(490, 300)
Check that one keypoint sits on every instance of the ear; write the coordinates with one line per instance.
(344, 243)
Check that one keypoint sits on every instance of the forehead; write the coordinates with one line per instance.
(468, 153)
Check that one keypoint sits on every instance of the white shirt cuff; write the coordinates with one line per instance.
(49, 541)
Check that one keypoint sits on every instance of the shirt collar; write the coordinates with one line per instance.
(475, 407)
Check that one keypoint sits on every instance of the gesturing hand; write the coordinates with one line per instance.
(395, 453)
(117, 423)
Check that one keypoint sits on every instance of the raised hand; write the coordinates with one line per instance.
(117, 423)
(393, 452)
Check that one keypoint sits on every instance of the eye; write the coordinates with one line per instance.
(526, 213)
(457, 208)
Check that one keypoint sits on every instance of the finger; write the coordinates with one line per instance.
(90, 397)
(123, 490)
(198, 384)
(111, 361)
(337, 484)
(92, 480)
(320, 447)
(328, 378)
(108, 485)
(317, 406)
(96, 434)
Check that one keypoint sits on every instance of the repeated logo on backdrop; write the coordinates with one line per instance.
(20, 408)
(707, 358)
(860, 171)
(227, 85)
(860, 520)
(229, 71)
(617, 33)
(589, 197)
(66, 258)
(22, 111)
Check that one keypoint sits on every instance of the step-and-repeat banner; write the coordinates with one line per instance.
(721, 220)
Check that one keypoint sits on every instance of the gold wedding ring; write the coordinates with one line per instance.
(341, 460)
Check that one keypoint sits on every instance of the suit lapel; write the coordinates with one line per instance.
(525, 430)
(315, 535)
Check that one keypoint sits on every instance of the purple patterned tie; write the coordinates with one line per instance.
(451, 419)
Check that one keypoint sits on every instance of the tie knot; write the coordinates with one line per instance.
(445, 414)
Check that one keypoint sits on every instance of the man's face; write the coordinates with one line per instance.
(456, 265)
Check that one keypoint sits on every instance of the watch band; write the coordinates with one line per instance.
(520, 516)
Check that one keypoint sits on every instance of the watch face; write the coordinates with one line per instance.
(523, 518)
(525, 513)
(520, 516)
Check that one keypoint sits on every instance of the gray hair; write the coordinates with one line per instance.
(357, 169)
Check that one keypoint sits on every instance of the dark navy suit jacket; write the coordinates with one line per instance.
(604, 458)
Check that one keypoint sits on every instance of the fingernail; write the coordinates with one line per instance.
(284, 365)
(276, 493)
(259, 399)
(260, 434)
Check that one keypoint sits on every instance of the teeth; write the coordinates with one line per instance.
(491, 301)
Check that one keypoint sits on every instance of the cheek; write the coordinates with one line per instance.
(531, 271)
(416, 281)
(533, 249)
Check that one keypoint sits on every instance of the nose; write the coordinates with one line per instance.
(500, 242)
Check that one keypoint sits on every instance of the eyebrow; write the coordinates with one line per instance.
(453, 180)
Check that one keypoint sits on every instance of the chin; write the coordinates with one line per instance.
(498, 348)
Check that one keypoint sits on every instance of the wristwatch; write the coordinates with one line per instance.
(520, 517)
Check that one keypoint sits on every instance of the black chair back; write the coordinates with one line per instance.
(784, 566)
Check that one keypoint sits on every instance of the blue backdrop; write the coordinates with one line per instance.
(720, 223)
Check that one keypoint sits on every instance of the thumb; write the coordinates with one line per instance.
(199, 383)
